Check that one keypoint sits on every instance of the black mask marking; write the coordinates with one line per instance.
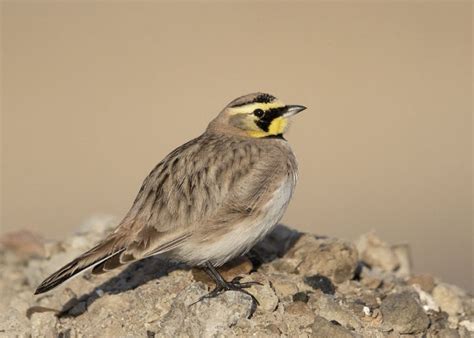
(267, 118)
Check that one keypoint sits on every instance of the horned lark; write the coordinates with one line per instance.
(209, 200)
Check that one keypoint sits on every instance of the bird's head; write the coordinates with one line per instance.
(255, 115)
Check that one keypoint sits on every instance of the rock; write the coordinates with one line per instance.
(44, 324)
(465, 332)
(310, 287)
(328, 307)
(332, 258)
(284, 286)
(206, 318)
(301, 312)
(469, 325)
(425, 281)
(320, 282)
(371, 278)
(301, 297)
(426, 300)
(264, 293)
(402, 313)
(403, 254)
(324, 328)
(448, 299)
(377, 253)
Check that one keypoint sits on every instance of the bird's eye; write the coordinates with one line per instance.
(258, 112)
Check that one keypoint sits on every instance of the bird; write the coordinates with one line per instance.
(209, 200)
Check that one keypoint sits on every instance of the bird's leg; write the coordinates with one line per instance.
(222, 286)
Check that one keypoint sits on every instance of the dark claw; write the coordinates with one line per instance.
(234, 285)
(222, 286)
(236, 281)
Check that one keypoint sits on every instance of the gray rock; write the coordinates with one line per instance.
(324, 328)
(448, 299)
(330, 308)
(205, 318)
(332, 258)
(299, 312)
(377, 253)
(154, 298)
(284, 285)
(403, 313)
(264, 293)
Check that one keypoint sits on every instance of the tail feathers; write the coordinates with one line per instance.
(102, 253)
(113, 262)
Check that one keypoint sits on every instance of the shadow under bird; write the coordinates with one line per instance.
(209, 200)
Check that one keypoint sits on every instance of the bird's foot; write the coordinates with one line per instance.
(233, 285)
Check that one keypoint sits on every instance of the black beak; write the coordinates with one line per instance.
(293, 110)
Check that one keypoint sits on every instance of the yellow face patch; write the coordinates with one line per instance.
(248, 121)
(277, 126)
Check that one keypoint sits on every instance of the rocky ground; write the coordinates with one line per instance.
(311, 286)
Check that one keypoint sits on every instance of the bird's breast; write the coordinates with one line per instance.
(241, 237)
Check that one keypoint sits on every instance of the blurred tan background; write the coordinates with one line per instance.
(95, 94)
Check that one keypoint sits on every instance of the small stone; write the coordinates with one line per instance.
(425, 281)
(377, 253)
(369, 299)
(285, 265)
(283, 286)
(333, 258)
(329, 307)
(324, 328)
(372, 282)
(301, 312)
(403, 313)
(300, 297)
(264, 293)
(448, 299)
(320, 282)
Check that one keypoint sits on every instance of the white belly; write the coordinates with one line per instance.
(244, 236)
